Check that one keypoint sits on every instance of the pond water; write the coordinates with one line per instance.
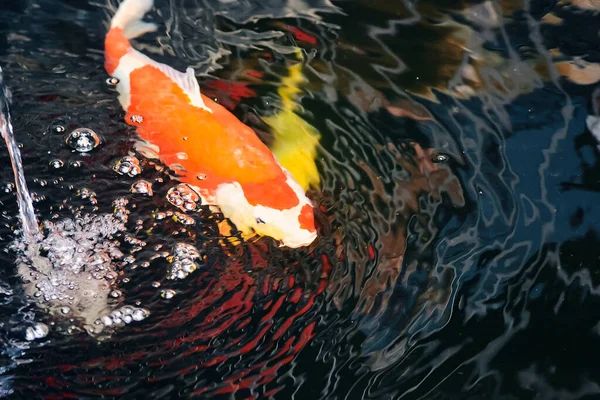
(456, 209)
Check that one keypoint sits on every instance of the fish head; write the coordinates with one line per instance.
(294, 226)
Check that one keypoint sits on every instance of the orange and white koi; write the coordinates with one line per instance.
(214, 152)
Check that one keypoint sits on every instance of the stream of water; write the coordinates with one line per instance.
(28, 221)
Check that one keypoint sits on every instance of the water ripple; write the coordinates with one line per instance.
(458, 233)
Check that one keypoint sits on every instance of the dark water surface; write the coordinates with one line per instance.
(459, 245)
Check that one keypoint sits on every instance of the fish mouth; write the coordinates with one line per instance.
(300, 240)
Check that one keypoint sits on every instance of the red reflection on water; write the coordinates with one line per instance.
(301, 35)
(206, 331)
(228, 93)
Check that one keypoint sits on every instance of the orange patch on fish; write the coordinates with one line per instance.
(307, 218)
(117, 46)
(215, 144)
(281, 196)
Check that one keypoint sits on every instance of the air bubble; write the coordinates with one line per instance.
(140, 314)
(440, 158)
(83, 140)
(128, 165)
(56, 164)
(174, 198)
(142, 187)
(57, 129)
(168, 293)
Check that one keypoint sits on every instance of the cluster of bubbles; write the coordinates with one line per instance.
(123, 316)
(70, 271)
(184, 197)
(184, 219)
(183, 261)
(137, 244)
(129, 166)
(120, 210)
(162, 215)
(37, 331)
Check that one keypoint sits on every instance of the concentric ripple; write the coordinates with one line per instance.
(457, 213)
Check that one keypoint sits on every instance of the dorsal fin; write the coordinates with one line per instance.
(187, 82)
(193, 89)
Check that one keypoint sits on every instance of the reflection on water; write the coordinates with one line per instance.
(456, 208)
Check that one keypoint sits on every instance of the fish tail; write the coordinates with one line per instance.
(295, 140)
(129, 18)
(126, 24)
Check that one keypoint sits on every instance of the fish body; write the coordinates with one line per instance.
(212, 150)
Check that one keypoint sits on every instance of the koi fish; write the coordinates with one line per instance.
(295, 140)
(213, 151)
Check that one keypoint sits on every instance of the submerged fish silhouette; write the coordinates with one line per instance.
(215, 152)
